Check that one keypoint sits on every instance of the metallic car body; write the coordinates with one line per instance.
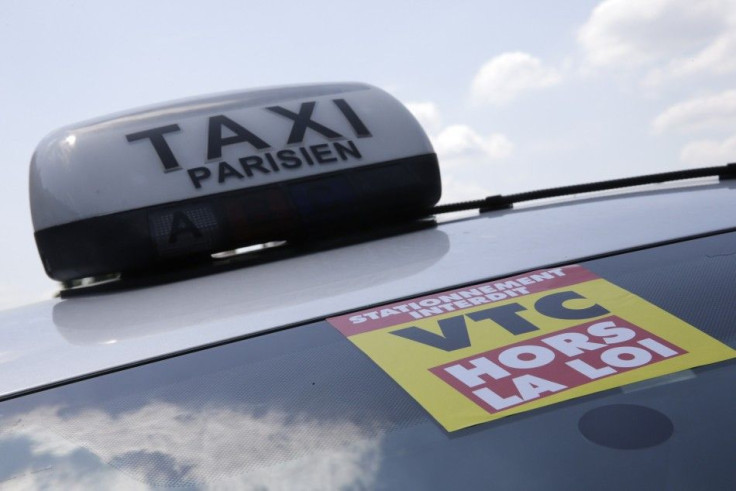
(59, 340)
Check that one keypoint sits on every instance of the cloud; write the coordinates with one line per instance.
(460, 140)
(709, 152)
(503, 78)
(711, 112)
(163, 444)
(471, 162)
(672, 38)
(427, 114)
(717, 58)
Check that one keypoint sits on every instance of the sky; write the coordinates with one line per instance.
(515, 96)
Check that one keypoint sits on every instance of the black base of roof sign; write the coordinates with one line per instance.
(192, 230)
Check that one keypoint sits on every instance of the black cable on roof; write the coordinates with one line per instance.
(500, 202)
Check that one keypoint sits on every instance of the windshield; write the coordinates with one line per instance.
(515, 96)
(304, 405)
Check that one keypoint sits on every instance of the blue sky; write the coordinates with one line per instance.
(515, 95)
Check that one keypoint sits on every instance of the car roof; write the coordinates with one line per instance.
(63, 339)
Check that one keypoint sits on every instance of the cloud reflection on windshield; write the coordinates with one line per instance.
(163, 444)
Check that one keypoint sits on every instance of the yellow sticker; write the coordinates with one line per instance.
(487, 351)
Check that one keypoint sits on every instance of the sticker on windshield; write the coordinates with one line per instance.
(502, 347)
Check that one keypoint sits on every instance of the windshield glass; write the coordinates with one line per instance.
(514, 96)
(304, 405)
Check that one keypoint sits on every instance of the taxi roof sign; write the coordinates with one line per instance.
(150, 186)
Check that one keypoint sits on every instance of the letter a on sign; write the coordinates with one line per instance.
(181, 224)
